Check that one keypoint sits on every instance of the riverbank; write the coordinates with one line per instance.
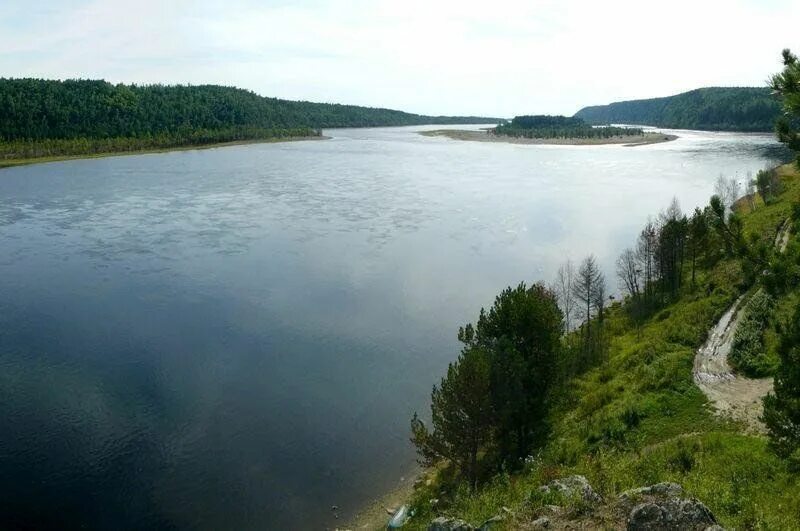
(640, 417)
(376, 513)
(9, 163)
(485, 135)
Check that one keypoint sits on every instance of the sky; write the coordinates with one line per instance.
(460, 57)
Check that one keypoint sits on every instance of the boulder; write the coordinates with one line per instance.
(489, 522)
(665, 489)
(541, 523)
(671, 514)
(444, 523)
(572, 486)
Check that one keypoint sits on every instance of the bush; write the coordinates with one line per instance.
(748, 353)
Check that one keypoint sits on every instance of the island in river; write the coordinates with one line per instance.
(556, 129)
(488, 135)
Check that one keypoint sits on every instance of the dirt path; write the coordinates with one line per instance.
(732, 395)
(782, 238)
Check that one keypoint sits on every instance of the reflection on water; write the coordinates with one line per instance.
(237, 337)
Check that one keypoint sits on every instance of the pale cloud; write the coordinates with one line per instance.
(451, 57)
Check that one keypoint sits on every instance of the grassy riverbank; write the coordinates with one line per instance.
(486, 135)
(638, 418)
(11, 162)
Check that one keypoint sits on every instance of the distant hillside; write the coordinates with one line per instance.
(39, 109)
(712, 109)
(57, 119)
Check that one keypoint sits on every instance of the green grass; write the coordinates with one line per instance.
(765, 220)
(783, 312)
(748, 353)
(639, 419)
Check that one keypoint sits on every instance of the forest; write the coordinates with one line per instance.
(41, 118)
(547, 126)
(752, 109)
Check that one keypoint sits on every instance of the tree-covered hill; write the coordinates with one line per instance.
(712, 109)
(43, 109)
(56, 119)
(554, 126)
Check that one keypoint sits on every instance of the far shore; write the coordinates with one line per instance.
(484, 135)
(9, 163)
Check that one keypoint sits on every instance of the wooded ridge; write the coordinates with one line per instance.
(45, 118)
(751, 109)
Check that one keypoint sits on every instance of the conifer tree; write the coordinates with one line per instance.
(461, 414)
(782, 407)
(786, 84)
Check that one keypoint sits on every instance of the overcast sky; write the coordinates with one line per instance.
(498, 58)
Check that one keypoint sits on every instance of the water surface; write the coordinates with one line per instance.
(237, 337)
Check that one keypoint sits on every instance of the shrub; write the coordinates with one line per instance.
(748, 353)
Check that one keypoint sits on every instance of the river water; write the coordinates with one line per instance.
(237, 337)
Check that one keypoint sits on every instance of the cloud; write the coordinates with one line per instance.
(499, 58)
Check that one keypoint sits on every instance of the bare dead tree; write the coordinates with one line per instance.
(750, 191)
(646, 249)
(628, 272)
(599, 295)
(728, 191)
(564, 289)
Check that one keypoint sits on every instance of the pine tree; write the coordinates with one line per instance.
(522, 332)
(586, 289)
(787, 85)
(461, 414)
(782, 408)
(698, 237)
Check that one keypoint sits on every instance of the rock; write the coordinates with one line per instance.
(670, 514)
(444, 523)
(488, 523)
(541, 523)
(399, 518)
(553, 509)
(665, 489)
(572, 486)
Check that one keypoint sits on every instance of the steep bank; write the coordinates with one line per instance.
(733, 395)
(639, 419)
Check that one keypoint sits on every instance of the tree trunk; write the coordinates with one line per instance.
(473, 468)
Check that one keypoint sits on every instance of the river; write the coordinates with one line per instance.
(237, 337)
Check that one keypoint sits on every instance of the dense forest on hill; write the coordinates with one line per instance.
(53, 118)
(713, 109)
(547, 126)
